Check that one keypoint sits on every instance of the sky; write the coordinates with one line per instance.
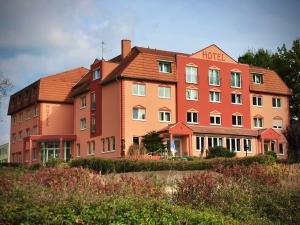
(41, 37)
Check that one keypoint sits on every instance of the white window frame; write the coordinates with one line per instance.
(34, 152)
(210, 79)
(78, 150)
(191, 77)
(235, 97)
(163, 65)
(139, 114)
(277, 103)
(257, 97)
(219, 142)
(83, 102)
(139, 88)
(113, 143)
(236, 144)
(254, 75)
(164, 92)
(215, 116)
(93, 147)
(237, 120)
(248, 141)
(82, 126)
(98, 74)
(234, 74)
(192, 117)
(276, 126)
(164, 112)
(214, 96)
(283, 148)
(35, 111)
(89, 147)
(257, 119)
(200, 141)
(191, 90)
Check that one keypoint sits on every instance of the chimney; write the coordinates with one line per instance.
(126, 47)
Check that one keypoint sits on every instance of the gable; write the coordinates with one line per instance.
(213, 53)
(180, 129)
(269, 134)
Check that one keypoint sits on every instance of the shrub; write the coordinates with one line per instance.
(271, 153)
(220, 151)
(135, 165)
(36, 166)
(9, 164)
(54, 162)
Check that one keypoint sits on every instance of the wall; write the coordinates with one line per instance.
(152, 103)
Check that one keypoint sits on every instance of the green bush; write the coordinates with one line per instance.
(54, 162)
(220, 151)
(135, 165)
(35, 166)
(271, 153)
(9, 164)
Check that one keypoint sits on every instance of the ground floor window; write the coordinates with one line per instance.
(234, 144)
(27, 156)
(93, 147)
(20, 157)
(113, 143)
(199, 143)
(78, 150)
(103, 144)
(35, 154)
(136, 141)
(89, 147)
(281, 149)
(108, 144)
(273, 146)
(214, 141)
(247, 145)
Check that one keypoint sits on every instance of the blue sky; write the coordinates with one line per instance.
(40, 37)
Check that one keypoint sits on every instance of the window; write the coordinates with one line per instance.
(83, 124)
(214, 96)
(235, 80)
(35, 111)
(164, 92)
(96, 74)
(277, 123)
(199, 143)
(192, 94)
(20, 136)
(83, 102)
(215, 119)
(27, 156)
(93, 147)
(164, 66)
(35, 154)
(276, 102)
(257, 100)
(136, 140)
(27, 114)
(78, 150)
(236, 98)
(237, 120)
(164, 116)
(214, 77)
(139, 114)
(214, 141)
(27, 132)
(103, 144)
(89, 147)
(234, 144)
(13, 119)
(273, 146)
(191, 74)
(93, 124)
(247, 145)
(20, 117)
(113, 143)
(192, 117)
(108, 144)
(258, 122)
(35, 130)
(14, 138)
(93, 101)
(281, 149)
(138, 89)
(257, 78)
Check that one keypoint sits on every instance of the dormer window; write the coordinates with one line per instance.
(96, 74)
(257, 78)
(164, 66)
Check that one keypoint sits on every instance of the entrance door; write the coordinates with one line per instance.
(266, 145)
(67, 151)
(177, 143)
(51, 150)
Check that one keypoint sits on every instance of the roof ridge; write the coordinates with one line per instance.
(60, 73)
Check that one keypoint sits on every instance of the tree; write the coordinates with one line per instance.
(153, 141)
(5, 86)
(286, 63)
(292, 135)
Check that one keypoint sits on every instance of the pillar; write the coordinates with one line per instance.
(224, 142)
(30, 151)
(60, 148)
(205, 145)
(190, 145)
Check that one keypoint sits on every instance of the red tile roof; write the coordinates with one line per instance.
(272, 83)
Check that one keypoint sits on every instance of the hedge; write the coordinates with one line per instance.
(106, 165)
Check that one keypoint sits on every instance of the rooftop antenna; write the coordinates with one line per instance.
(102, 47)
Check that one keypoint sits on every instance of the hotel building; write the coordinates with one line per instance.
(195, 101)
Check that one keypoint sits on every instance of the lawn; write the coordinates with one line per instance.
(252, 194)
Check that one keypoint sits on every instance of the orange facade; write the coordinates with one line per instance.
(196, 101)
